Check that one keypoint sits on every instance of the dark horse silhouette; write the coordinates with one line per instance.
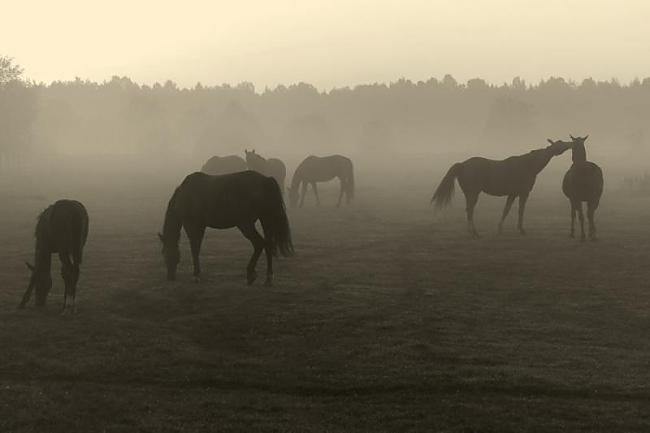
(583, 182)
(272, 167)
(221, 202)
(224, 165)
(321, 169)
(512, 177)
(61, 228)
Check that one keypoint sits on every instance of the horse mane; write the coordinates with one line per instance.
(42, 222)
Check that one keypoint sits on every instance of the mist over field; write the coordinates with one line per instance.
(395, 314)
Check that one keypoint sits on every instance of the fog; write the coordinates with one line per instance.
(398, 133)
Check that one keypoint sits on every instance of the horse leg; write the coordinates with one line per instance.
(250, 232)
(268, 249)
(73, 288)
(195, 235)
(315, 188)
(591, 211)
(581, 217)
(341, 192)
(522, 207)
(67, 272)
(506, 210)
(574, 210)
(471, 199)
(303, 192)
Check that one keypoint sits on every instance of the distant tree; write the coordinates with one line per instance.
(8, 70)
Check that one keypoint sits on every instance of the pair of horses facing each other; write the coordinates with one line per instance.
(514, 177)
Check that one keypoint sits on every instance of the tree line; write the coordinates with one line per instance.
(119, 116)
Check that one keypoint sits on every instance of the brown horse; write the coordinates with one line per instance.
(583, 182)
(272, 167)
(512, 177)
(221, 202)
(224, 165)
(322, 169)
(61, 228)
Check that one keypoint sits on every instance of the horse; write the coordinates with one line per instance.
(315, 169)
(224, 165)
(268, 167)
(221, 202)
(512, 177)
(61, 228)
(583, 182)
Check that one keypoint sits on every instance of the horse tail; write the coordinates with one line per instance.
(275, 221)
(443, 195)
(351, 182)
(82, 235)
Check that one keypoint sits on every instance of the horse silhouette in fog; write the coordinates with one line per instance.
(221, 202)
(272, 167)
(583, 182)
(61, 228)
(224, 165)
(512, 177)
(322, 169)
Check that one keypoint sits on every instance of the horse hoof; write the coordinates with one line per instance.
(251, 277)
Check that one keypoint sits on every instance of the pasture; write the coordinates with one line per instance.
(388, 319)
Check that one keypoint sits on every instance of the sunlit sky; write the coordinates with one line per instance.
(329, 43)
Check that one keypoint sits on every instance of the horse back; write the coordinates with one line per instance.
(321, 169)
(218, 165)
(496, 177)
(68, 227)
(220, 201)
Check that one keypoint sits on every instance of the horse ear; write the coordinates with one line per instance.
(253, 151)
(572, 137)
(586, 136)
(161, 237)
(29, 266)
(550, 141)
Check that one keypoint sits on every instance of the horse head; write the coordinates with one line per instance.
(39, 280)
(172, 255)
(578, 148)
(558, 147)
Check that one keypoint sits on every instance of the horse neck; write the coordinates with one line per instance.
(578, 154)
(297, 178)
(42, 258)
(172, 224)
(540, 159)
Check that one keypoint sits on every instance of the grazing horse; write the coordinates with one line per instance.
(583, 182)
(272, 167)
(61, 228)
(321, 169)
(224, 165)
(512, 177)
(221, 202)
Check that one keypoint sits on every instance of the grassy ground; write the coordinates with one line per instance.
(388, 319)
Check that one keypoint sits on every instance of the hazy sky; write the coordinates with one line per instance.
(327, 43)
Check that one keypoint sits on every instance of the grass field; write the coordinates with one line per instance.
(388, 319)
